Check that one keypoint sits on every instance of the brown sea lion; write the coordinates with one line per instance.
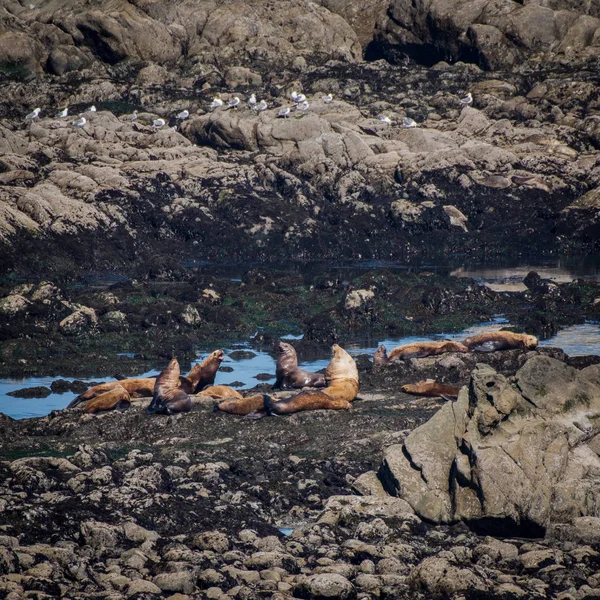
(219, 391)
(169, 397)
(341, 376)
(416, 350)
(500, 340)
(289, 375)
(118, 398)
(242, 406)
(429, 387)
(201, 375)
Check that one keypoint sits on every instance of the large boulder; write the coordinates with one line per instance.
(497, 34)
(66, 36)
(516, 453)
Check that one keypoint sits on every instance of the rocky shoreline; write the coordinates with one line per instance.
(126, 505)
(394, 168)
(50, 328)
(334, 182)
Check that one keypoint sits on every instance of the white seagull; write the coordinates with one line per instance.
(33, 115)
(294, 95)
(384, 119)
(233, 102)
(327, 99)
(284, 112)
(131, 117)
(300, 98)
(252, 101)
(303, 106)
(409, 123)
(468, 99)
(262, 105)
(158, 123)
(91, 109)
(183, 115)
(216, 103)
(79, 122)
(62, 114)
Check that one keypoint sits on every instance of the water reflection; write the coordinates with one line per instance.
(576, 340)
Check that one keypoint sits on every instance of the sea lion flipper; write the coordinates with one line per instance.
(448, 398)
(76, 401)
(255, 415)
(270, 406)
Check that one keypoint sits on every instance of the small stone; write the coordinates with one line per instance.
(326, 585)
(141, 586)
(181, 581)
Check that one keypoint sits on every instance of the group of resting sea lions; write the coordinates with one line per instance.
(335, 389)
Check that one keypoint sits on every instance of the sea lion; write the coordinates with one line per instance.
(500, 340)
(289, 375)
(416, 350)
(341, 376)
(242, 406)
(201, 375)
(169, 397)
(219, 391)
(429, 387)
(118, 398)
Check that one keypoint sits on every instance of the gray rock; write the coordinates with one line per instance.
(181, 581)
(142, 586)
(439, 578)
(519, 454)
(326, 585)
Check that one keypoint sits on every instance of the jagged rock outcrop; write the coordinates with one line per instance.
(514, 454)
(496, 34)
(65, 36)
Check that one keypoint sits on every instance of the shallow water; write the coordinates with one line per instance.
(558, 269)
(576, 340)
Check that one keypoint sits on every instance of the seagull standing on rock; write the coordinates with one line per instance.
(62, 114)
(79, 122)
(158, 123)
(328, 99)
(409, 123)
(252, 101)
(183, 115)
(216, 103)
(468, 99)
(91, 109)
(284, 112)
(233, 103)
(33, 115)
(303, 106)
(262, 105)
(385, 119)
(132, 117)
(300, 98)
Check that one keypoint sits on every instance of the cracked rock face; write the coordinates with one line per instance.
(515, 453)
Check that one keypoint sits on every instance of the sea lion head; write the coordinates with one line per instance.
(169, 377)
(287, 360)
(530, 341)
(380, 357)
(286, 349)
(217, 355)
(342, 366)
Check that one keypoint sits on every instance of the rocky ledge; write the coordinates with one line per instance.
(208, 505)
(49, 328)
(330, 181)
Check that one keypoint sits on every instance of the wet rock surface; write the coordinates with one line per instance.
(127, 327)
(331, 181)
(128, 504)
